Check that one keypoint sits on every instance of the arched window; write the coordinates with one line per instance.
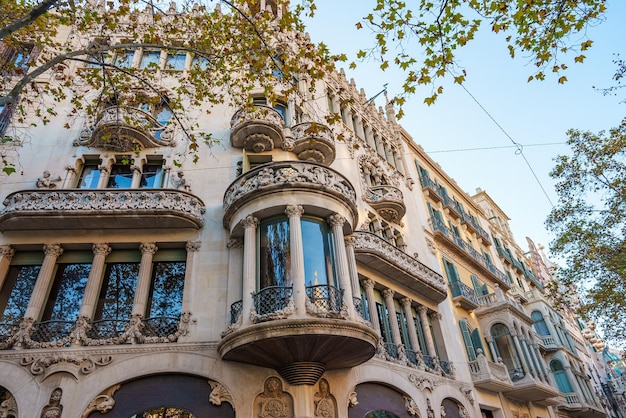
(540, 323)
(561, 377)
(506, 350)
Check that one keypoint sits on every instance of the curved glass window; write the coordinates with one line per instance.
(561, 377)
(505, 349)
(319, 260)
(540, 323)
(274, 253)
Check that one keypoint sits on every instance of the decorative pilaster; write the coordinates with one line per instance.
(343, 271)
(250, 224)
(368, 284)
(145, 277)
(406, 306)
(6, 255)
(40, 291)
(294, 213)
(94, 282)
(192, 248)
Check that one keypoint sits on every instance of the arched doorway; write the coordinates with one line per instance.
(183, 396)
(378, 401)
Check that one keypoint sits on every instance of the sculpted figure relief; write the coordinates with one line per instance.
(324, 401)
(273, 402)
(54, 409)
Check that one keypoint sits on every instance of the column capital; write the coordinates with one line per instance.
(336, 220)
(148, 248)
(250, 222)
(368, 283)
(422, 310)
(70, 168)
(193, 246)
(405, 302)
(234, 243)
(436, 315)
(350, 241)
(388, 293)
(136, 168)
(52, 249)
(6, 251)
(294, 210)
(101, 248)
(104, 169)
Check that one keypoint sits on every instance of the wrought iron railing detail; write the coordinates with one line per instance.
(104, 329)
(391, 349)
(272, 299)
(429, 362)
(414, 357)
(359, 307)
(53, 330)
(235, 311)
(447, 368)
(160, 326)
(516, 374)
(461, 289)
(325, 297)
(7, 330)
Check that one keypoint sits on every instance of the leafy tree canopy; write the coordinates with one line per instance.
(589, 223)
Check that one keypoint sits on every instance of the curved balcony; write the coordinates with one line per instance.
(379, 255)
(489, 375)
(301, 348)
(310, 184)
(314, 142)
(50, 210)
(124, 129)
(257, 130)
(387, 201)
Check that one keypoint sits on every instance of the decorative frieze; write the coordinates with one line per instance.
(86, 364)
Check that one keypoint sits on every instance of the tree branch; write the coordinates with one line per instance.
(29, 18)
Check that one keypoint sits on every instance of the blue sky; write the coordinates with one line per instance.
(530, 113)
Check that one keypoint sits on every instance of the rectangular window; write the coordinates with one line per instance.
(6, 112)
(67, 292)
(90, 175)
(16, 291)
(117, 292)
(383, 319)
(121, 177)
(404, 332)
(199, 63)
(176, 62)
(166, 291)
(152, 175)
(124, 59)
(150, 60)
(420, 334)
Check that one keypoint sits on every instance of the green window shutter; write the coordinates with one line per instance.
(451, 271)
(476, 340)
(467, 339)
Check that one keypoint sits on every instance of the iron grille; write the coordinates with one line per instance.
(105, 329)
(51, 330)
(325, 297)
(235, 311)
(160, 326)
(272, 299)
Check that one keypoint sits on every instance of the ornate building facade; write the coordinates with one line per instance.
(303, 269)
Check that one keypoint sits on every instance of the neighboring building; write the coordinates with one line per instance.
(302, 269)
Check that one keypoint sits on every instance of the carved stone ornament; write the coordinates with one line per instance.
(8, 405)
(102, 403)
(377, 169)
(219, 394)
(54, 409)
(352, 399)
(284, 313)
(411, 407)
(273, 402)
(467, 391)
(323, 312)
(46, 181)
(325, 404)
(66, 362)
(423, 382)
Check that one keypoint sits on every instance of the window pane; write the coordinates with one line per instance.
(121, 177)
(152, 176)
(166, 293)
(319, 263)
(274, 257)
(124, 59)
(89, 177)
(150, 60)
(16, 292)
(118, 291)
(199, 63)
(175, 62)
(67, 292)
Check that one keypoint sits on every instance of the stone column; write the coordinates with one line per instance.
(192, 248)
(250, 224)
(94, 282)
(573, 381)
(343, 271)
(541, 363)
(235, 273)
(144, 278)
(294, 212)
(519, 351)
(526, 355)
(393, 318)
(354, 275)
(6, 255)
(44, 279)
(428, 336)
(492, 348)
(136, 181)
(368, 284)
(104, 176)
(406, 306)
(70, 177)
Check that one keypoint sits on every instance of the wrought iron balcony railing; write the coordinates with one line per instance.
(272, 299)
(326, 298)
(235, 311)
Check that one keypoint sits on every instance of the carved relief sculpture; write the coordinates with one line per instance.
(273, 402)
(102, 403)
(324, 401)
(45, 182)
(54, 409)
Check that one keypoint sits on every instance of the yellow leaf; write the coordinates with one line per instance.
(579, 58)
(562, 80)
(359, 25)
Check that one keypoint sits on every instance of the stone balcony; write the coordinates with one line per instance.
(498, 304)
(531, 389)
(85, 209)
(379, 255)
(489, 375)
(121, 128)
(313, 142)
(257, 129)
(572, 403)
(388, 201)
